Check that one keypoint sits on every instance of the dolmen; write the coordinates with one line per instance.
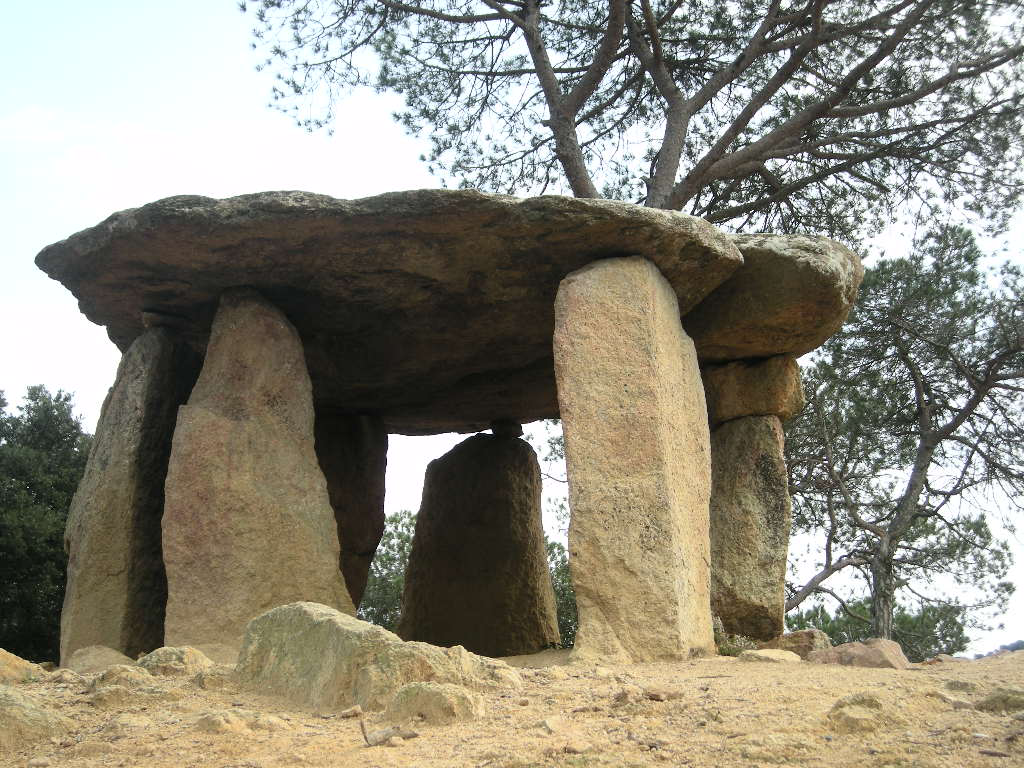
(271, 343)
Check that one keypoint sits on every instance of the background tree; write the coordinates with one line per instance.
(799, 115)
(382, 600)
(43, 451)
(565, 595)
(910, 441)
(936, 628)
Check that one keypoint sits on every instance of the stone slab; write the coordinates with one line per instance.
(247, 522)
(750, 515)
(638, 458)
(116, 587)
(792, 293)
(401, 299)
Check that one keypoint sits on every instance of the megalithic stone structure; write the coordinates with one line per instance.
(638, 459)
(353, 454)
(750, 505)
(477, 573)
(116, 586)
(432, 311)
(247, 522)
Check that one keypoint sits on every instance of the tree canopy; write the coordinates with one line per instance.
(909, 446)
(806, 115)
(43, 451)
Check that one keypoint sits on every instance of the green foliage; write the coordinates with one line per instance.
(565, 595)
(935, 628)
(382, 600)
(43, 451)
(818, 117)
(910, 442)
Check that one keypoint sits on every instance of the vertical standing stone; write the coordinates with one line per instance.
(477, 573)
(353, 454)
(750, 513)
(247, 522)
(638, 458)
(116, 588)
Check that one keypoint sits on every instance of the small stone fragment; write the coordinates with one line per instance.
(953, 701)
(175, 662)
(802, 642)
(110, 697)
(856, 713)
(1003, 700)
(125, 675)
(14, 669)
(769, 655)
(64, 676)
(435, 703)
(961, 685)
(663, 694)
(95, 658)
(221, 722)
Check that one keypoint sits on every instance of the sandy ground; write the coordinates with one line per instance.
(711, 712)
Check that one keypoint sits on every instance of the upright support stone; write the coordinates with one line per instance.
(116, 587)
(477, 573)
(750, 514)
(638, 457)
(353, 454)
(247, 523)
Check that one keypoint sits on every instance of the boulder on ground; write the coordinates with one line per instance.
(116, 586)
(435, 703)
(247, 522)
(792, 293)
(478, 572)
(24, 720)
(802, 642)
(175, 662)
(95, 658)
(750, 515)
(876, 652)
(638, 458)
(14, 669)
(741, 388)
(316, 656)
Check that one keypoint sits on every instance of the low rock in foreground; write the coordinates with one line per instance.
(14, 669)
(23, 720)
(317, 656)
(876, 652)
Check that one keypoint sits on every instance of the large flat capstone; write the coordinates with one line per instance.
(431, 309)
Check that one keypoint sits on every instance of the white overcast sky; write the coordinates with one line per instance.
(116, 103)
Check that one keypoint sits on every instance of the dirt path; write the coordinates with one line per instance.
(710, 712)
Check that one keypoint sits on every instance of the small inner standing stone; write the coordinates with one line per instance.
(477, 574)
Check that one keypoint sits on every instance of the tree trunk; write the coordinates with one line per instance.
(883, 591)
